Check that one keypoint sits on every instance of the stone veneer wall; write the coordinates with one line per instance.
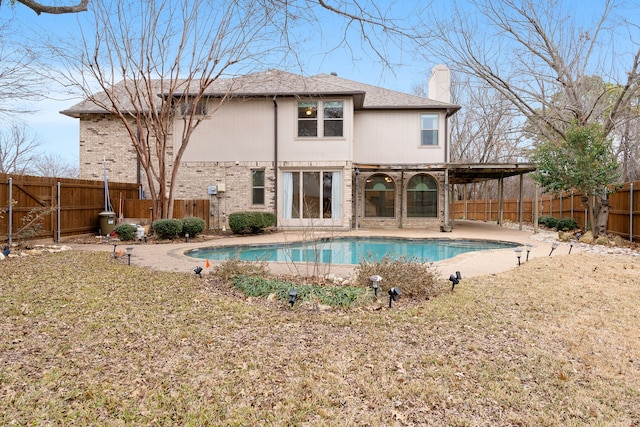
(104, 139)
(194, 178)
(401, 203)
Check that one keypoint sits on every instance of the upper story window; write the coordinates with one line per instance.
(429, 129)
(331, 125)
(188, 108)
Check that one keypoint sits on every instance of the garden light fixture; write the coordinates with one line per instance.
(394, 293)
(455, 279)
(198, 271)
(186, 237)
(375, 283)
(554, 245)
(571, 243)
(528, 246)
(293, 296)
(115, 243)
(129, 250)
(518, 252)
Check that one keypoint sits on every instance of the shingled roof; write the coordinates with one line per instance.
(277, 83)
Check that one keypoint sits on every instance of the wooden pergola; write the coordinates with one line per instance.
(465, 173)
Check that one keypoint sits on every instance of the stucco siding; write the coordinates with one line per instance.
(388, 137)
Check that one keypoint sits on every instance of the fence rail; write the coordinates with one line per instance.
(624, 207)
(72, 206)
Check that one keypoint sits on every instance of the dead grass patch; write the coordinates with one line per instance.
(85, 340)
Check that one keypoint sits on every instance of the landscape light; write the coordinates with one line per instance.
(186, 237)
(528, 246)
(293, 296)
(554, 245)
(518, 252)
(129, 250)
(571, 243)
(394, 293)
(455, 279)
(115, 243)
(198, 271)
(375, 283)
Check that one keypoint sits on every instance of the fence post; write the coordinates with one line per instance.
(631, 212)
(550, 205)
(10, 223)
(58, 214)
(561, 205)
(572, 204)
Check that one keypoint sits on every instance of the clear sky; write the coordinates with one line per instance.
(59, 133)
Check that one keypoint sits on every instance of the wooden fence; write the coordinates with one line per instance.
(624, 207)
(72, 206)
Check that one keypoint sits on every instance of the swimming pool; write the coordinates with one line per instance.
(350, 250)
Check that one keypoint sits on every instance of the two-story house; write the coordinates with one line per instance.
(318, 151)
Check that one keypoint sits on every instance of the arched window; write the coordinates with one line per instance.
(422, 197)
(379, 196)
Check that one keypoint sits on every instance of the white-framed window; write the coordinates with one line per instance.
(429, 129)
(257, 186)
(331, 125)
(189, 107)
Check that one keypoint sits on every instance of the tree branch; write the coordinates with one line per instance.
(40, 8)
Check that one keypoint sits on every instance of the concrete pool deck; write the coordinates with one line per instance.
(171, 256)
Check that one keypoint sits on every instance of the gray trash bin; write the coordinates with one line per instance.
(107, 222)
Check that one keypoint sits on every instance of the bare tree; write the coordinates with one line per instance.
(534, 55)
(17, 150)
(540, 58)
(157, 62)
(40, 7)
(49, 164)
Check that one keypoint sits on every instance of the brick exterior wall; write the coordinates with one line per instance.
(401, 220)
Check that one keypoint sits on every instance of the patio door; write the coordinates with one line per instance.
(312, 198)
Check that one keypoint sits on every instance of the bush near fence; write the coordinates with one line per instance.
(624, 209)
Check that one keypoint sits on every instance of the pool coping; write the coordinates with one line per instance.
(172, 257)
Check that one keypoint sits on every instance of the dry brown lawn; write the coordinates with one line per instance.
(85, 340)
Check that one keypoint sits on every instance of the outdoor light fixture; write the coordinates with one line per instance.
(455, 279)
(528, 246)
(394, 293)
(554, 245)
(571, 243)
(186, 237)
(129, 250)
(198, 271)
(518, 252)
(115, 243)
(375, 283)
(293, 296)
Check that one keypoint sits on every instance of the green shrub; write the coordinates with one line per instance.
(566, 224)
(548, 221)
(334, 296)
(251, 222)
(126, 231)
(192, 225)
(167, 228)
(414, 278)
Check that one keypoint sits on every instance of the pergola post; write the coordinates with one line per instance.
(500, 199)
(520, 202)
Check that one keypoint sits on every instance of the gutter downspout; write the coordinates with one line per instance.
(275, 157)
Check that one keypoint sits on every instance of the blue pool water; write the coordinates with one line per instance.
(350, 250)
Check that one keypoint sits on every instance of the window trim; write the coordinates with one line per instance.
(258, 187)
(437, 130)
(320, 120)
